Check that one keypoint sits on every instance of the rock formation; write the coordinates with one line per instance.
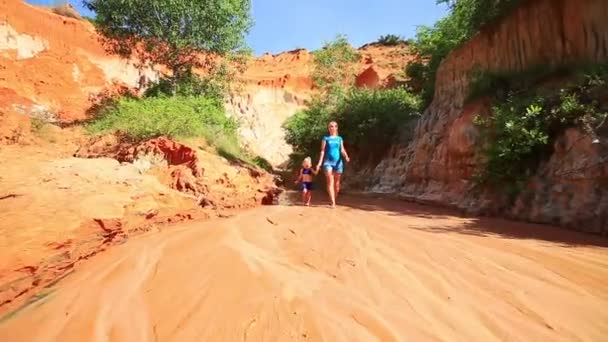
(570, 189)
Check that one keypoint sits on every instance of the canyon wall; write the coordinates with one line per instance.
(437, 165)
(53, 67)
(261, 113)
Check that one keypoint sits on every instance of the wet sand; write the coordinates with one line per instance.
(368, 270)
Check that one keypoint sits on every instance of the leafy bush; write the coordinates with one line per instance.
(369, 120)
(494, 83)
(219, 79)
(433, 44)
(390, 40)
(37, 124)
(181, 117)
(334, 64)
(212, 88)
(522, 128)
(178, 117)
(90, 19)
(514, 135)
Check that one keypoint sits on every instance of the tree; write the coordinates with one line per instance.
(180, 34)
(433, 44)
(334, 64)
(390, 40)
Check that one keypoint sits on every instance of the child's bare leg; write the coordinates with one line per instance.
(330, 187)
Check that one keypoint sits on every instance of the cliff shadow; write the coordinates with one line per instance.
(475, 226)
(511, 229)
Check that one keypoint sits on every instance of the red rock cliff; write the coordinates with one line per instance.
(438, 164)
(51, 65)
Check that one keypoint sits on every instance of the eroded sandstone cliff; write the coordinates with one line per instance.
(53, 67)
(437, 165)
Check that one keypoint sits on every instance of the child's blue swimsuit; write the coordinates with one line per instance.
(306, 185)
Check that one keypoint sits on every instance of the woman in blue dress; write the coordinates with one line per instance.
(332, 152)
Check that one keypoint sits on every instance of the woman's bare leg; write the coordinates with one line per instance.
(337, 177)
(330, 187)
(308, 197)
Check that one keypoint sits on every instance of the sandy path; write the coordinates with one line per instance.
(378, 271)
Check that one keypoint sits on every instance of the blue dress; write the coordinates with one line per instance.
(332, 161)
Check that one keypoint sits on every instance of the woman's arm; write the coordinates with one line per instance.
(322, 155)
(343, 151)
(299, 176)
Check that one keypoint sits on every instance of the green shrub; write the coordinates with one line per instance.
(390, 40)
(305, 129)
(484, 83)
(433, 44)
(37, 124)
(178, 117)
(369, 120)
(522, 128)
(335, 64)
(189, 86)
(90, 19)
(514, 135)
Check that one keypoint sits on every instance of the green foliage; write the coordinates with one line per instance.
(37, 124)
(433, 44)
(369, 120)
(212, 87)
(177, 117)
(390, 40)
(334, 64)
(485, 83)
(262, 163)
(218, 81)
(172, 32)
(522, 128)
(90, 19)
(471, 15)
(515, 134)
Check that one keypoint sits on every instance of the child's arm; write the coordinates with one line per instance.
(343, 151)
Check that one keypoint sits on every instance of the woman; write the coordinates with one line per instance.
(332, 151)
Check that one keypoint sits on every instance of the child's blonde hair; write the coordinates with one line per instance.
(307, 161)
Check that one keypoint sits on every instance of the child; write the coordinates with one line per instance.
(305, 177)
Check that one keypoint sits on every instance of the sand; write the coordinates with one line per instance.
(369, 270)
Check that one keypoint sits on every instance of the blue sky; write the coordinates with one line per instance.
(282, 25)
